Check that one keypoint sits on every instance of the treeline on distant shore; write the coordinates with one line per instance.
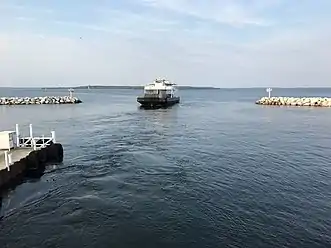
(121, 87)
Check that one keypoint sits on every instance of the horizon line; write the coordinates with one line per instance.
(179, 86)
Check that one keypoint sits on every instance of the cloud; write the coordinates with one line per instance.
(225, 12)
(132, 42)
(21, 8)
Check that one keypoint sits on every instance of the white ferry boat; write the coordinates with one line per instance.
(159, 93)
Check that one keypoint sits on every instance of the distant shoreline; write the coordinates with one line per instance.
(102, 87)
(124, 87)
(85, 87)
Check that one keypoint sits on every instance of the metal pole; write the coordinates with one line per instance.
(17, 136)
(6, 160)
(53, 136)
(31, 135)
(34, 144)
(10, 158)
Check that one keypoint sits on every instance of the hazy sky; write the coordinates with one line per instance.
(224, 43)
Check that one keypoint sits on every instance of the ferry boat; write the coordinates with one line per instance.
(159, 93)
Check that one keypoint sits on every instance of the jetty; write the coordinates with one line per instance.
(41, 100)
(294, 101)
(21, 155)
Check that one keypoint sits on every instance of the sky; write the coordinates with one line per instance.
(219, 43)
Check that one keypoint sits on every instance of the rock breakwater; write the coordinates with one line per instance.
(296, 101)
(39, 100)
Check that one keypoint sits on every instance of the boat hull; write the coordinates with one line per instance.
(155, 102)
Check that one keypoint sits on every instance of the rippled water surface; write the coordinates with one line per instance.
(215, 171)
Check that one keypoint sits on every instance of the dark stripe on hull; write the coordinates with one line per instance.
(147, 102)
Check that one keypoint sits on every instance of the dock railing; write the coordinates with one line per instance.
(29, 142)
(34, 142)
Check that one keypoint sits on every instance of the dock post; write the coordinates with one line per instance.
(6, 160)
(17, 136)
(31, 132)
(10, 159)
(53, 136)
(31, 135)
(34, 145)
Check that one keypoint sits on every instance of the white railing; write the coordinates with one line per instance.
(28, 142)
(34, 142)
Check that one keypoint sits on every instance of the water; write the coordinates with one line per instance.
(215, 171)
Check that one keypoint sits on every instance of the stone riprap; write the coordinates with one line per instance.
(296, 101)
(39, 100)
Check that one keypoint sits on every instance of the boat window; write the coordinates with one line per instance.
(151, 92)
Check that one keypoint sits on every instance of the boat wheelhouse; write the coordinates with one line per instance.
(159, 93)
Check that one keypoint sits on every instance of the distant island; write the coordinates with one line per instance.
(121, 87)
